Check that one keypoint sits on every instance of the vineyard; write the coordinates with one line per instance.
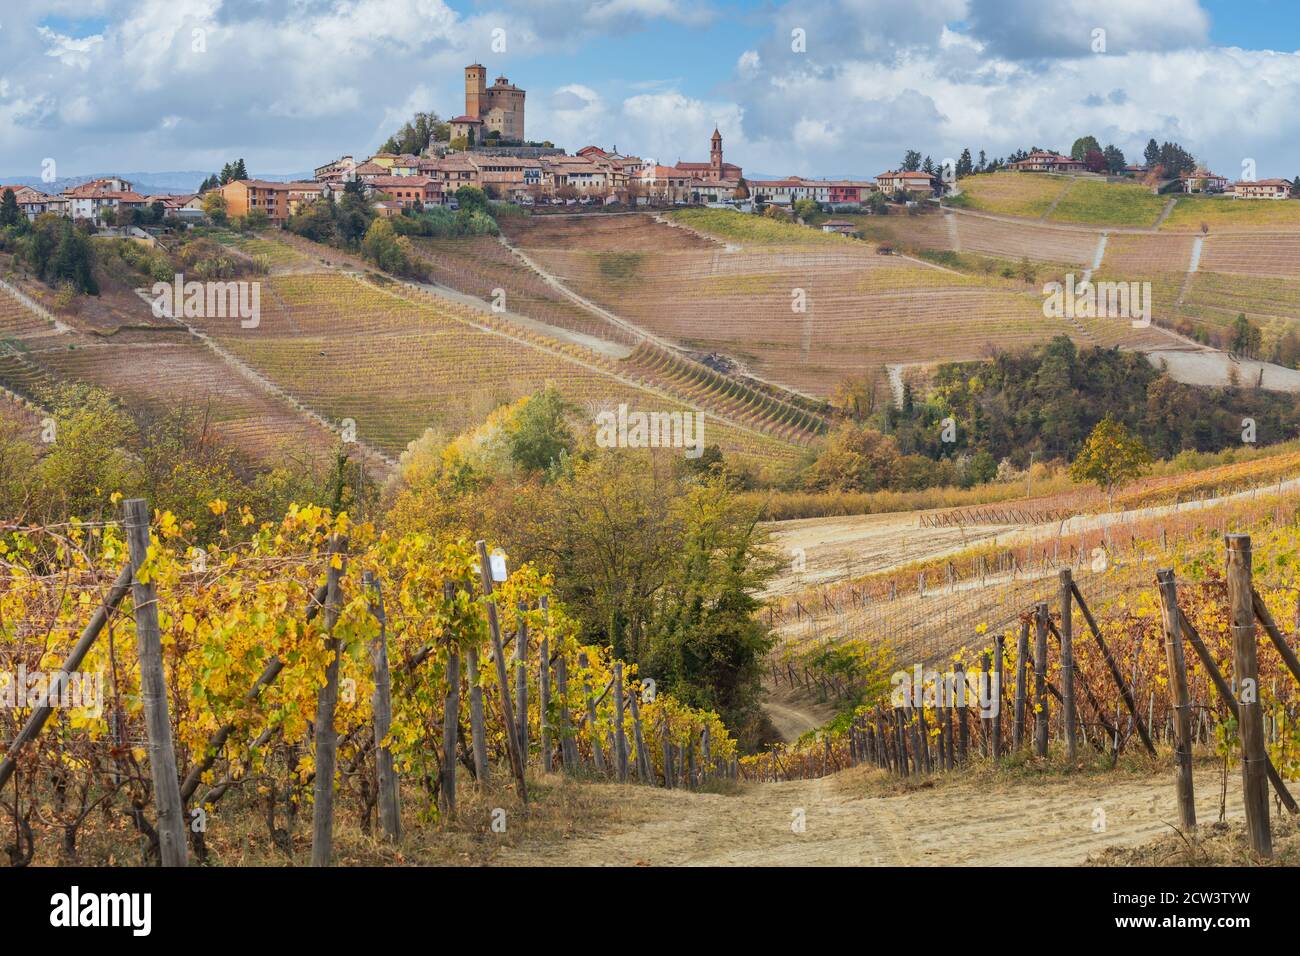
(1129, 678)
(803, 317)
(259, 678)
(396, 360)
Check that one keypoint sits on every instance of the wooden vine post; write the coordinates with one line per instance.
(1250, 720)
(450, 716)
(963, 705)
(1177, 666)
(568, 744)
(153, 690)
(643, 769)
(477, 731)
(1022, 676)
(620, 734)
(390, 812)
(544, 689)
(499, 658)
(327, 739)
(999, 644)
(1040, 680)
(521, 681)
(1069, 716)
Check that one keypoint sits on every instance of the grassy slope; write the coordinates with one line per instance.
(1095, 202)
(1224, 212)
(752, 230)
(1027, 195)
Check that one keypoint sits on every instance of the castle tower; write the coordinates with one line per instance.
(715, 157)
(475, 90)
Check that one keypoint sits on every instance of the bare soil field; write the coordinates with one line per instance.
(820, 550)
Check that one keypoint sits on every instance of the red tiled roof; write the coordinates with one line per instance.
(410, 182)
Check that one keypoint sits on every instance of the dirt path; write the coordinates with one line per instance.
(792, 721)
(1056, 823)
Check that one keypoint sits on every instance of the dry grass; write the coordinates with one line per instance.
(559, 809)
(1215, 844)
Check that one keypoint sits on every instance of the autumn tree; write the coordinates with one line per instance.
(1110, 456)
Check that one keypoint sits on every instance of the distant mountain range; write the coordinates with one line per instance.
(147, 184)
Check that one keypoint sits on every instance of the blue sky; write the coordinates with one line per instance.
(102, 85)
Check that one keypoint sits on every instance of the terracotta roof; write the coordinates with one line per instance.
(410, 182)
(1264, 182)
(465, 119)
(368, 168)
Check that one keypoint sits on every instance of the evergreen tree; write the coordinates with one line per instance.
(10, 214)
(1114, 159)
(1151, 155)
(964, 166)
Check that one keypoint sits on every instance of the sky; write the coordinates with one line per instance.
(808, 87)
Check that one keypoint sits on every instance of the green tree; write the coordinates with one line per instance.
(542, 437)
(10, 214)
(1110, 456)
(1246, 336)
(1083, 146)
(806, 208)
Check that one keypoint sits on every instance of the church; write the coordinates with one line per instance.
(715, 170)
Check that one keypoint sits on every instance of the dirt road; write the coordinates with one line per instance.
(1054, 823)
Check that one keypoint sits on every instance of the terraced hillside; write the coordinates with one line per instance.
(861, 309)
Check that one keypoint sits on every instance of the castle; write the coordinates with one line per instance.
(498, 108)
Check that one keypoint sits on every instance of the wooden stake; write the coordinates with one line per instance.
(477, 730)
(638, 739)
(620, 734)
(499, 658)
(597, 755)
(327, 739)
(544, 691)
(450, 719)
(1067, 667)
(1040, 679)
(521, 682)
(568, 743)
(1177, 668)
(390, 812)
(1245, 670)
(153, 690)
(999, 659)
(1022, 670)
